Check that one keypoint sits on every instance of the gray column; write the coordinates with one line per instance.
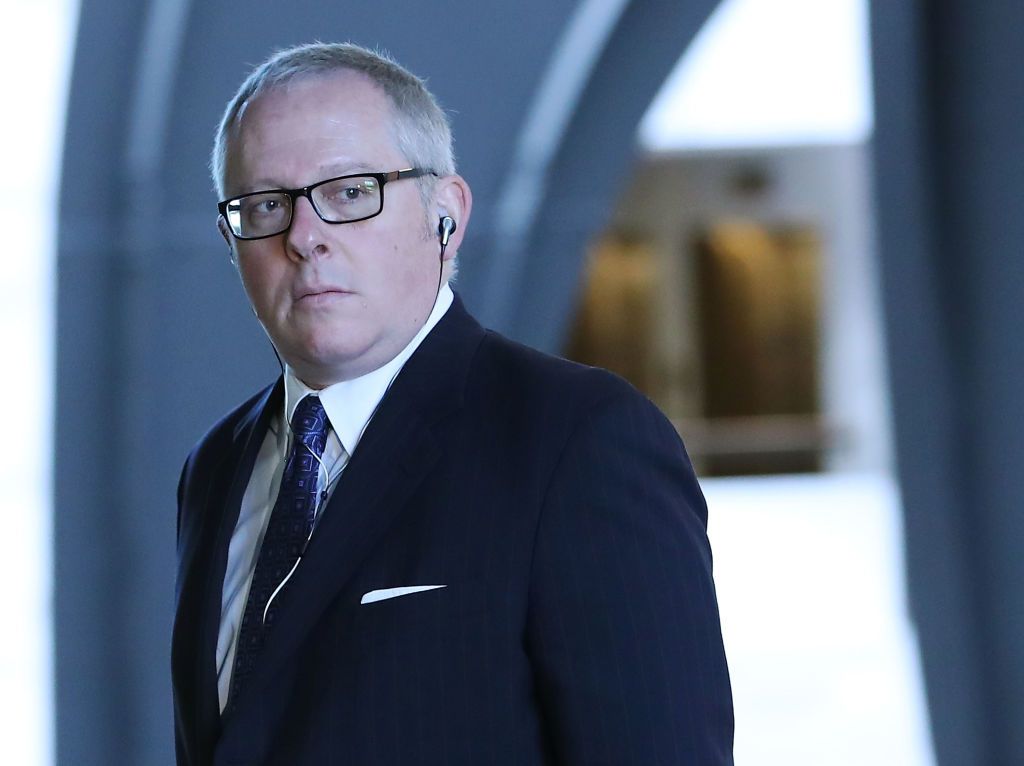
(949, 77)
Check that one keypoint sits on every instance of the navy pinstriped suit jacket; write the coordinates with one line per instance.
(579, 623)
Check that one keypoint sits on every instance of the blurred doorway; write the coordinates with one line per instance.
(758, 296)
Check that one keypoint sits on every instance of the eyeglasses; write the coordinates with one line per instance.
(345, 199)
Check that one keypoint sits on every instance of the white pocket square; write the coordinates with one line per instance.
(380, 595)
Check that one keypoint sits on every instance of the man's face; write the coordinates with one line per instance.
(337, 300)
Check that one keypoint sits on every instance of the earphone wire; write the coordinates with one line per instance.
(324, 493)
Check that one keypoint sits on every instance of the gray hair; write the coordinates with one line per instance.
(421, 129)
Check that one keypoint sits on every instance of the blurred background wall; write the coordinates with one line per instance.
(824, 305)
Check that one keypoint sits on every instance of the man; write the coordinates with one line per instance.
(424, 543)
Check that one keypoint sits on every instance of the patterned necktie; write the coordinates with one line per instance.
(291, 523)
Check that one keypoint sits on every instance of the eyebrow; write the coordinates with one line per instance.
(345, 168)
(327, 170)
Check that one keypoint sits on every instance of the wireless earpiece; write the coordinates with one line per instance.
(445, 228)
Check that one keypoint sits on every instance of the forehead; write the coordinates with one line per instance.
(292, 133)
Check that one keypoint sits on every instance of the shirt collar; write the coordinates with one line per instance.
(351, 403)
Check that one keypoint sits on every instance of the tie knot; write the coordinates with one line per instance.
(309, 418)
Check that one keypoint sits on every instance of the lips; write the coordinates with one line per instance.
(319, 292)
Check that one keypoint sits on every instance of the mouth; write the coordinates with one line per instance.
(321, 295)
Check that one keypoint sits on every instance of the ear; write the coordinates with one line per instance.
(229, 238)
(452, 196)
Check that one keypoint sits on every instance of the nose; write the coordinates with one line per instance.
(305, 238)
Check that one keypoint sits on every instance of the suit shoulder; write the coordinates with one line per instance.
(221, 434)
(535, 376)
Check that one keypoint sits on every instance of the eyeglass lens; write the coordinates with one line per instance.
(336, 201)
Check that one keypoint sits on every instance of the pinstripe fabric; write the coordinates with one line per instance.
(620, 593)
(578, 624)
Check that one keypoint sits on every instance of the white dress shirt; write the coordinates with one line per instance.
(349, 405)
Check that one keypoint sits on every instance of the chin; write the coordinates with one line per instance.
(330, 338)
(327, 361)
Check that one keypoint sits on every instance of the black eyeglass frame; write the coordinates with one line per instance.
(306, 191)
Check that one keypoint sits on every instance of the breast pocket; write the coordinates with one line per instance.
(425, 665)
(425, 623)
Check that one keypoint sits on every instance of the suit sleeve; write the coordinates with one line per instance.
(623, 628)
(181, 500)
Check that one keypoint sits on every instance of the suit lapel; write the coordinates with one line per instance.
(219, 514)
(396, 453)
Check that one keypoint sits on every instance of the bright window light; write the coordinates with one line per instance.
(767, 73)
(35, 48)
(822, 654)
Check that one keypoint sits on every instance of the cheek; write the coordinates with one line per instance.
(264, 282)
(414, 274)
(403, 267)
(253, 284)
